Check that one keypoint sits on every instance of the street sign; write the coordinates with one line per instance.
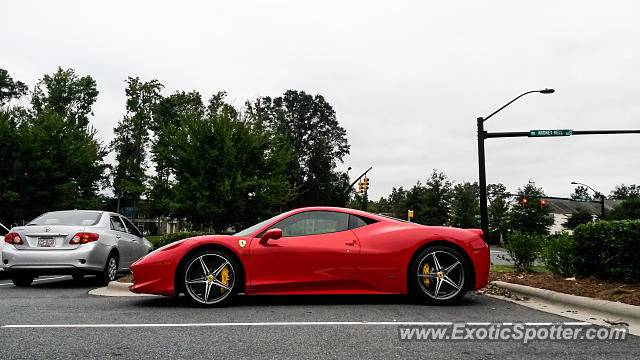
(560, 132)
(581, 200)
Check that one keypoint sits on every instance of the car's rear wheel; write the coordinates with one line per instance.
(439, 275)
(110, 271)
(22, 279)
(209, 278)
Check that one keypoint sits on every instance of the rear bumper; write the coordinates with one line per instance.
(86, 258)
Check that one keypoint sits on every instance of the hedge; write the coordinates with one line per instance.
(608, 249)
(169, 238)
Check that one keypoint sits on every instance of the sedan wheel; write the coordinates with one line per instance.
(110, 271)
(209, 278)
(439, 275)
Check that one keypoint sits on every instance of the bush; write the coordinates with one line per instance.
(558, 254)
(169, 238)
(608, 249)
(524, 249)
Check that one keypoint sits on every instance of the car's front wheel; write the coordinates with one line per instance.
(439, 275)
(22, 279)
(209, 278)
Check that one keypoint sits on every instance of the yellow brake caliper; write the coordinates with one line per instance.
(425, 270)
(224, 278)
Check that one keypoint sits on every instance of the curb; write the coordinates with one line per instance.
(605, 306)
(115, 288)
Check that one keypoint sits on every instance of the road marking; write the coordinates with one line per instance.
(293, 323)
(51, 278)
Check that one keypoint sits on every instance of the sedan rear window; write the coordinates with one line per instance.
(83, 218)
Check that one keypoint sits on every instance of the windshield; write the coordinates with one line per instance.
(250, 230)
(84, 218)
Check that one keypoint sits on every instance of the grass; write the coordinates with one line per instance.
(511, 268)
(153, 238)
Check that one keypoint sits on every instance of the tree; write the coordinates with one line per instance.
(132, 139)
(465, 208)
(579, 218)
(66, 94)
(498, 214)
(623, 192)
(10, 89)
(581, 192)
(55, 160)
(530, 217)
(309, 124)
(629, 209)
(223, 169)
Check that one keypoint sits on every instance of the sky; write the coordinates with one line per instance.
(407, 79)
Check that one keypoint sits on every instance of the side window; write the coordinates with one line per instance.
(356, 221)
(313, 223)
(132, 228)
(117, 225)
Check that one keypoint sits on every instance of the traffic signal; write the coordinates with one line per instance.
(524, 201)
(366, 183)
(543, 203)
(360, 185)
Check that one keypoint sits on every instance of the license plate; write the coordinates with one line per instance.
(46, 242)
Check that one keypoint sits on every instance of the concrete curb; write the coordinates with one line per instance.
(115, 288)
(604, 306)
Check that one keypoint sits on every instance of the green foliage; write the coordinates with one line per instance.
(623, 192)
(132, 138)
(580, 192)
(51, 158)
(10, 89)
(558, 254)
(160, 241)
(498, 214)
(629, 209)
(465, 206)
(217, 169)
(530, 217)
(308, 127)
(608, 249)
(579, 218)
(524, 249)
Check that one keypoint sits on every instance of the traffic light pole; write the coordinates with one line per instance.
(482, 135)
(484, 211)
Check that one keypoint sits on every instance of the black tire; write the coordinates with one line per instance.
(109, 273)
(215, 260)
(77, 277)
(456, 274)
(22, 280)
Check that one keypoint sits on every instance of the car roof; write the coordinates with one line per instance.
(345, 210)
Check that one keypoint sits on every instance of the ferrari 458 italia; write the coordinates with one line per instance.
(320, 250)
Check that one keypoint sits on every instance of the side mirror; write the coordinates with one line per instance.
(271, 234)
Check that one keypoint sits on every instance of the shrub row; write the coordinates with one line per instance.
(607, 249)
(169, 238)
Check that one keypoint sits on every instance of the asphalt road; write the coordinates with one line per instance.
(62, 301)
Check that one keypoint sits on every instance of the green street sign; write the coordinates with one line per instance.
(581, 200)
(561, 132)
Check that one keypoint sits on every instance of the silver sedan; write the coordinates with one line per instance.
(75, 242)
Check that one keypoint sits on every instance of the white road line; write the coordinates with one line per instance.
(293, 323)
(51, 278)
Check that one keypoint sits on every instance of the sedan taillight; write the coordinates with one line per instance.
(83, 238)
(13, 238)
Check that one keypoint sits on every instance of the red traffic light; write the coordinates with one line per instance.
(524, 200)
(543, 202)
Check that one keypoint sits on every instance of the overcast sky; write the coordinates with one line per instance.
(407, 79)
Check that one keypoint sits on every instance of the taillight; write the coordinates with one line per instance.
(13, 238)
(83, 238)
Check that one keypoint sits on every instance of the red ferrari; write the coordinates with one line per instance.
(320, 250)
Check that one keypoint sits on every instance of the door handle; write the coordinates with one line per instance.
(117, 236)
(351, 243)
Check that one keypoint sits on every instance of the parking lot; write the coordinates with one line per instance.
(273, 326)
